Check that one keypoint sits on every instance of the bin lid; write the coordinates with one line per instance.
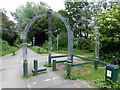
(112, 66)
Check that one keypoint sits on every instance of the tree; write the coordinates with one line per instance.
(9, 32)
(39, 30)
(76, 11)
(24, 13)
(109, 27)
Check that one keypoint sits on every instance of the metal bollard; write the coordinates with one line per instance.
(38, 50)
(49, 59)
(25, 68)
(54, 65)
(69, 69)
(114, 60)
(13, 52)
(35, 66)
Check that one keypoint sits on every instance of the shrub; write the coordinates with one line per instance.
(84, 44)
(5, 45)
(107, 84)
(110, 47)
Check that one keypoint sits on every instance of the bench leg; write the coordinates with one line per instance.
(35, 66)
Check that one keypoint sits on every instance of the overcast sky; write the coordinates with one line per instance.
(11, 5)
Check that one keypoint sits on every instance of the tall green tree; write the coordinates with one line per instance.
(78, 10)
(24, 13)
(9, 31)
(109, 27)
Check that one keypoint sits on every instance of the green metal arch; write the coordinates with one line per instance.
(69, 31)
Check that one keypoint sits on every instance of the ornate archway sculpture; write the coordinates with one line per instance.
(97, 42)
(25, 32)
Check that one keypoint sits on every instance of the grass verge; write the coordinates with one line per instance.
(87, 72)
(75, 52)
(48, 65)
(9, 50)
(35, 48)
(27, 77)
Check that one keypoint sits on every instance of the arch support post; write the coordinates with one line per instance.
(49, 36)
(70, 45)
(25, 68)
(25, 61)
(96, 64)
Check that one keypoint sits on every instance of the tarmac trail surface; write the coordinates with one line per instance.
(11, 73)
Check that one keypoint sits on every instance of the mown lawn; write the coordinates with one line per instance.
(35, 48)
(96, 76)
(8, 51)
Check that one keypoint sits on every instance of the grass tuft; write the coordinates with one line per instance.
(9, 50)
(27, 77)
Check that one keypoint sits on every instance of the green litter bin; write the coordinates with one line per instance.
(112, 72)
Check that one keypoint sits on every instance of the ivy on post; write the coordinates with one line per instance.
(49, 12)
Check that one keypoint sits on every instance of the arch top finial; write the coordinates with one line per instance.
(49, 11)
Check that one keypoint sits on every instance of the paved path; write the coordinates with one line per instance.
(11, 72)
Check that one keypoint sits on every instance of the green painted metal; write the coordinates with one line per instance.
(39, 70)
(82, 58)
(49, 59)
(58, 61)
(48, 14)
(82, 63)
(38, 50)
(69, 33)
(69, 65)
(71, 58)
(59, 56)
(49, 35)
(114, 60)
(54, 65)
(95, 64)
(36, 66)
(112, 72)
(103, 63)
(42, 69)
(36, 69)
(13, 52)
(25, 68)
